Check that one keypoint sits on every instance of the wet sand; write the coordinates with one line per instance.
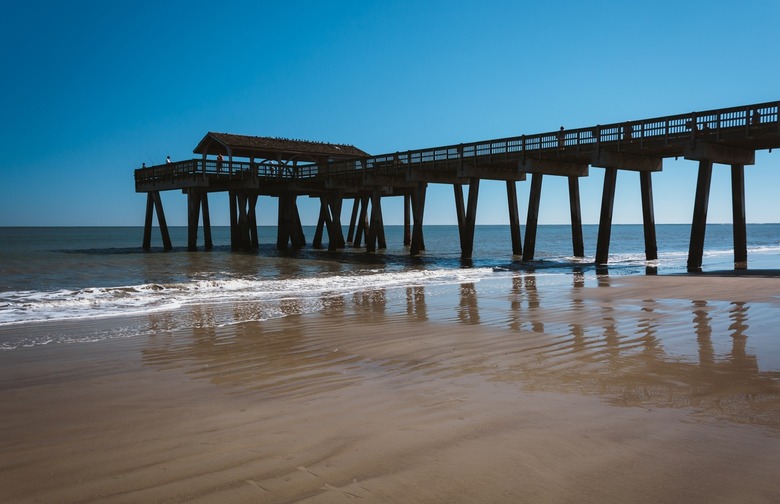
(637, 389)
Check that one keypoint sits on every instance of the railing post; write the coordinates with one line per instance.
(776, 115)
(666, 133)
(522, 147)
(717, 130)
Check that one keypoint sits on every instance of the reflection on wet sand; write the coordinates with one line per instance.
(524, 292)
(468, 310)
(648, 352)
(415, 302)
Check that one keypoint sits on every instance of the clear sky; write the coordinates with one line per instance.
(91, 90)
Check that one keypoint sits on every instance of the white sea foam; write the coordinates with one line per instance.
(36, 306)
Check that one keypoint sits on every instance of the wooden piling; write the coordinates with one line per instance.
(353, 219)
(648, 215)
(297, 236)
(699, 224)
(243, 222)
(321, 220)
(252, 213)
(605, 221)
(362, 222)
(460, 210)
(738, 215)
(467, 241)
(514, 218)
(193, 213)
(204, 203)
(372, 235)
(234, 244)
(147, 243)
(380, 232)
(578, 246)
(532, 220)
(284, 225)
(154, 202)
(407, 220)
(418, 209)
(333, 204)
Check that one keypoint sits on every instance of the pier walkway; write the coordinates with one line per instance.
(248, 167)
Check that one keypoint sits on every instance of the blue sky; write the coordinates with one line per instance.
(93, 89)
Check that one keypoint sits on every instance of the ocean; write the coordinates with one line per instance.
(56, 284)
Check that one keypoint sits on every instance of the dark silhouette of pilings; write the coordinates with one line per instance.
(467, 217)
(330, 219)
(538, 168)
(577, 242)
(153, 202)
(289, 228)
(243, 220)
(514, 218)
(197, 203)
(612, 162)
(706, 154)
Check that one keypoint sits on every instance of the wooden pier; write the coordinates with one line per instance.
(248, 167)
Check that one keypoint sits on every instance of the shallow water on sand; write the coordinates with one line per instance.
(720, 358)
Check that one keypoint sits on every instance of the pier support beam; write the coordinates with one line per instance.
(193, 214)
(316, 242)
(233, 220)
(707, 154)
(362, 221)
(252, 212)
(154, 202)
(243, 221)
(738, 215)
(289, 223)
(532, 220)
(514, 218)
(353, 219)
(538, 168)
(577, 242)
(605, 221)
(330, 219)
(375, 237)
(333, 205)
(648, 215)
(418, 209)
(407, 220)
(645, 165)
(466, 218)
(699, 224)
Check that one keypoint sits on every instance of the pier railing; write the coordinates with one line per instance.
(657, 136)
(226, 170)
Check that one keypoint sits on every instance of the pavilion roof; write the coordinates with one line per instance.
(273, 148)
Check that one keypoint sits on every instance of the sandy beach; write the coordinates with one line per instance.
(630, 389)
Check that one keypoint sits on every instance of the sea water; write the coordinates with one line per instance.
(65, 280)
